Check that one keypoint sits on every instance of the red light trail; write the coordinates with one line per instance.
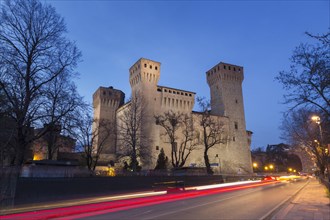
(124, 204)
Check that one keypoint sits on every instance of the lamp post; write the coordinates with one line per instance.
(317, 120)
(217, 156)
(320, 143)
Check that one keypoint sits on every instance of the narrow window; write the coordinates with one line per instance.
(236, 125)
(145, 65)
(150, 67)
(229, 67)
(156, 68)
(236, 101)
(234, 69)
(157, 147)
(234, 139)
(224, 66)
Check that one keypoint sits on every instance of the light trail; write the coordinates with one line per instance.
(221, 185)
(127, 203)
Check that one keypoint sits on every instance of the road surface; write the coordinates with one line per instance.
(250, 203)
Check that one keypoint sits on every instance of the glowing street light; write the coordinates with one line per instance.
(271, 166)
(255, 165)
(316, 119)
(266, 168)
(290, 169)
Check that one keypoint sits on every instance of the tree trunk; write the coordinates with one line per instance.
(207, 163)
(8, 183)
(134, 161)
(21, 146)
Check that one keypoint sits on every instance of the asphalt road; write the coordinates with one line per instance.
(253, 203)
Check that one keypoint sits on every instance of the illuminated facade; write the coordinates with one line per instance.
(225, 82)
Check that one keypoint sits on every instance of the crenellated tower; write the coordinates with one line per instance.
(225, 82)
(106, 100)
(143, 77)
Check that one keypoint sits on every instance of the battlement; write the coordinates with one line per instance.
(176, 98)
(175, 91)
(108, 96)
(144, 63)
(225, 71)
(144, 70)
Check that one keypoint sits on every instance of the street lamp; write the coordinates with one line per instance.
(320, 144)
(317, 120)
(217, 156)
(266, 168)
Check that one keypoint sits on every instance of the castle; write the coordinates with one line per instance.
(225, 82)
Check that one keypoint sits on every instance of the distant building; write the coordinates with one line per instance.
(60, 144)
(225, 82)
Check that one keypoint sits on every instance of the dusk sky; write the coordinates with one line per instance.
(190, 37)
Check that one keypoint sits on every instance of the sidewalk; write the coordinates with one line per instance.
(311, 203)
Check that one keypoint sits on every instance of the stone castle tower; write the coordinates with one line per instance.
(106, 100)
(143, 77)
(225, 82)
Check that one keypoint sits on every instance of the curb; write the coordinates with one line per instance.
(277, 209)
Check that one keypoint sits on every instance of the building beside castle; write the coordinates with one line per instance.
(225, 82)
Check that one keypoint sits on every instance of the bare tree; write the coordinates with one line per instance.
(91, 140)
(61, 105)
(212, 128)
(308, 80)
(132, 141)
(33, 53)
(302, 133)
(180, 132)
